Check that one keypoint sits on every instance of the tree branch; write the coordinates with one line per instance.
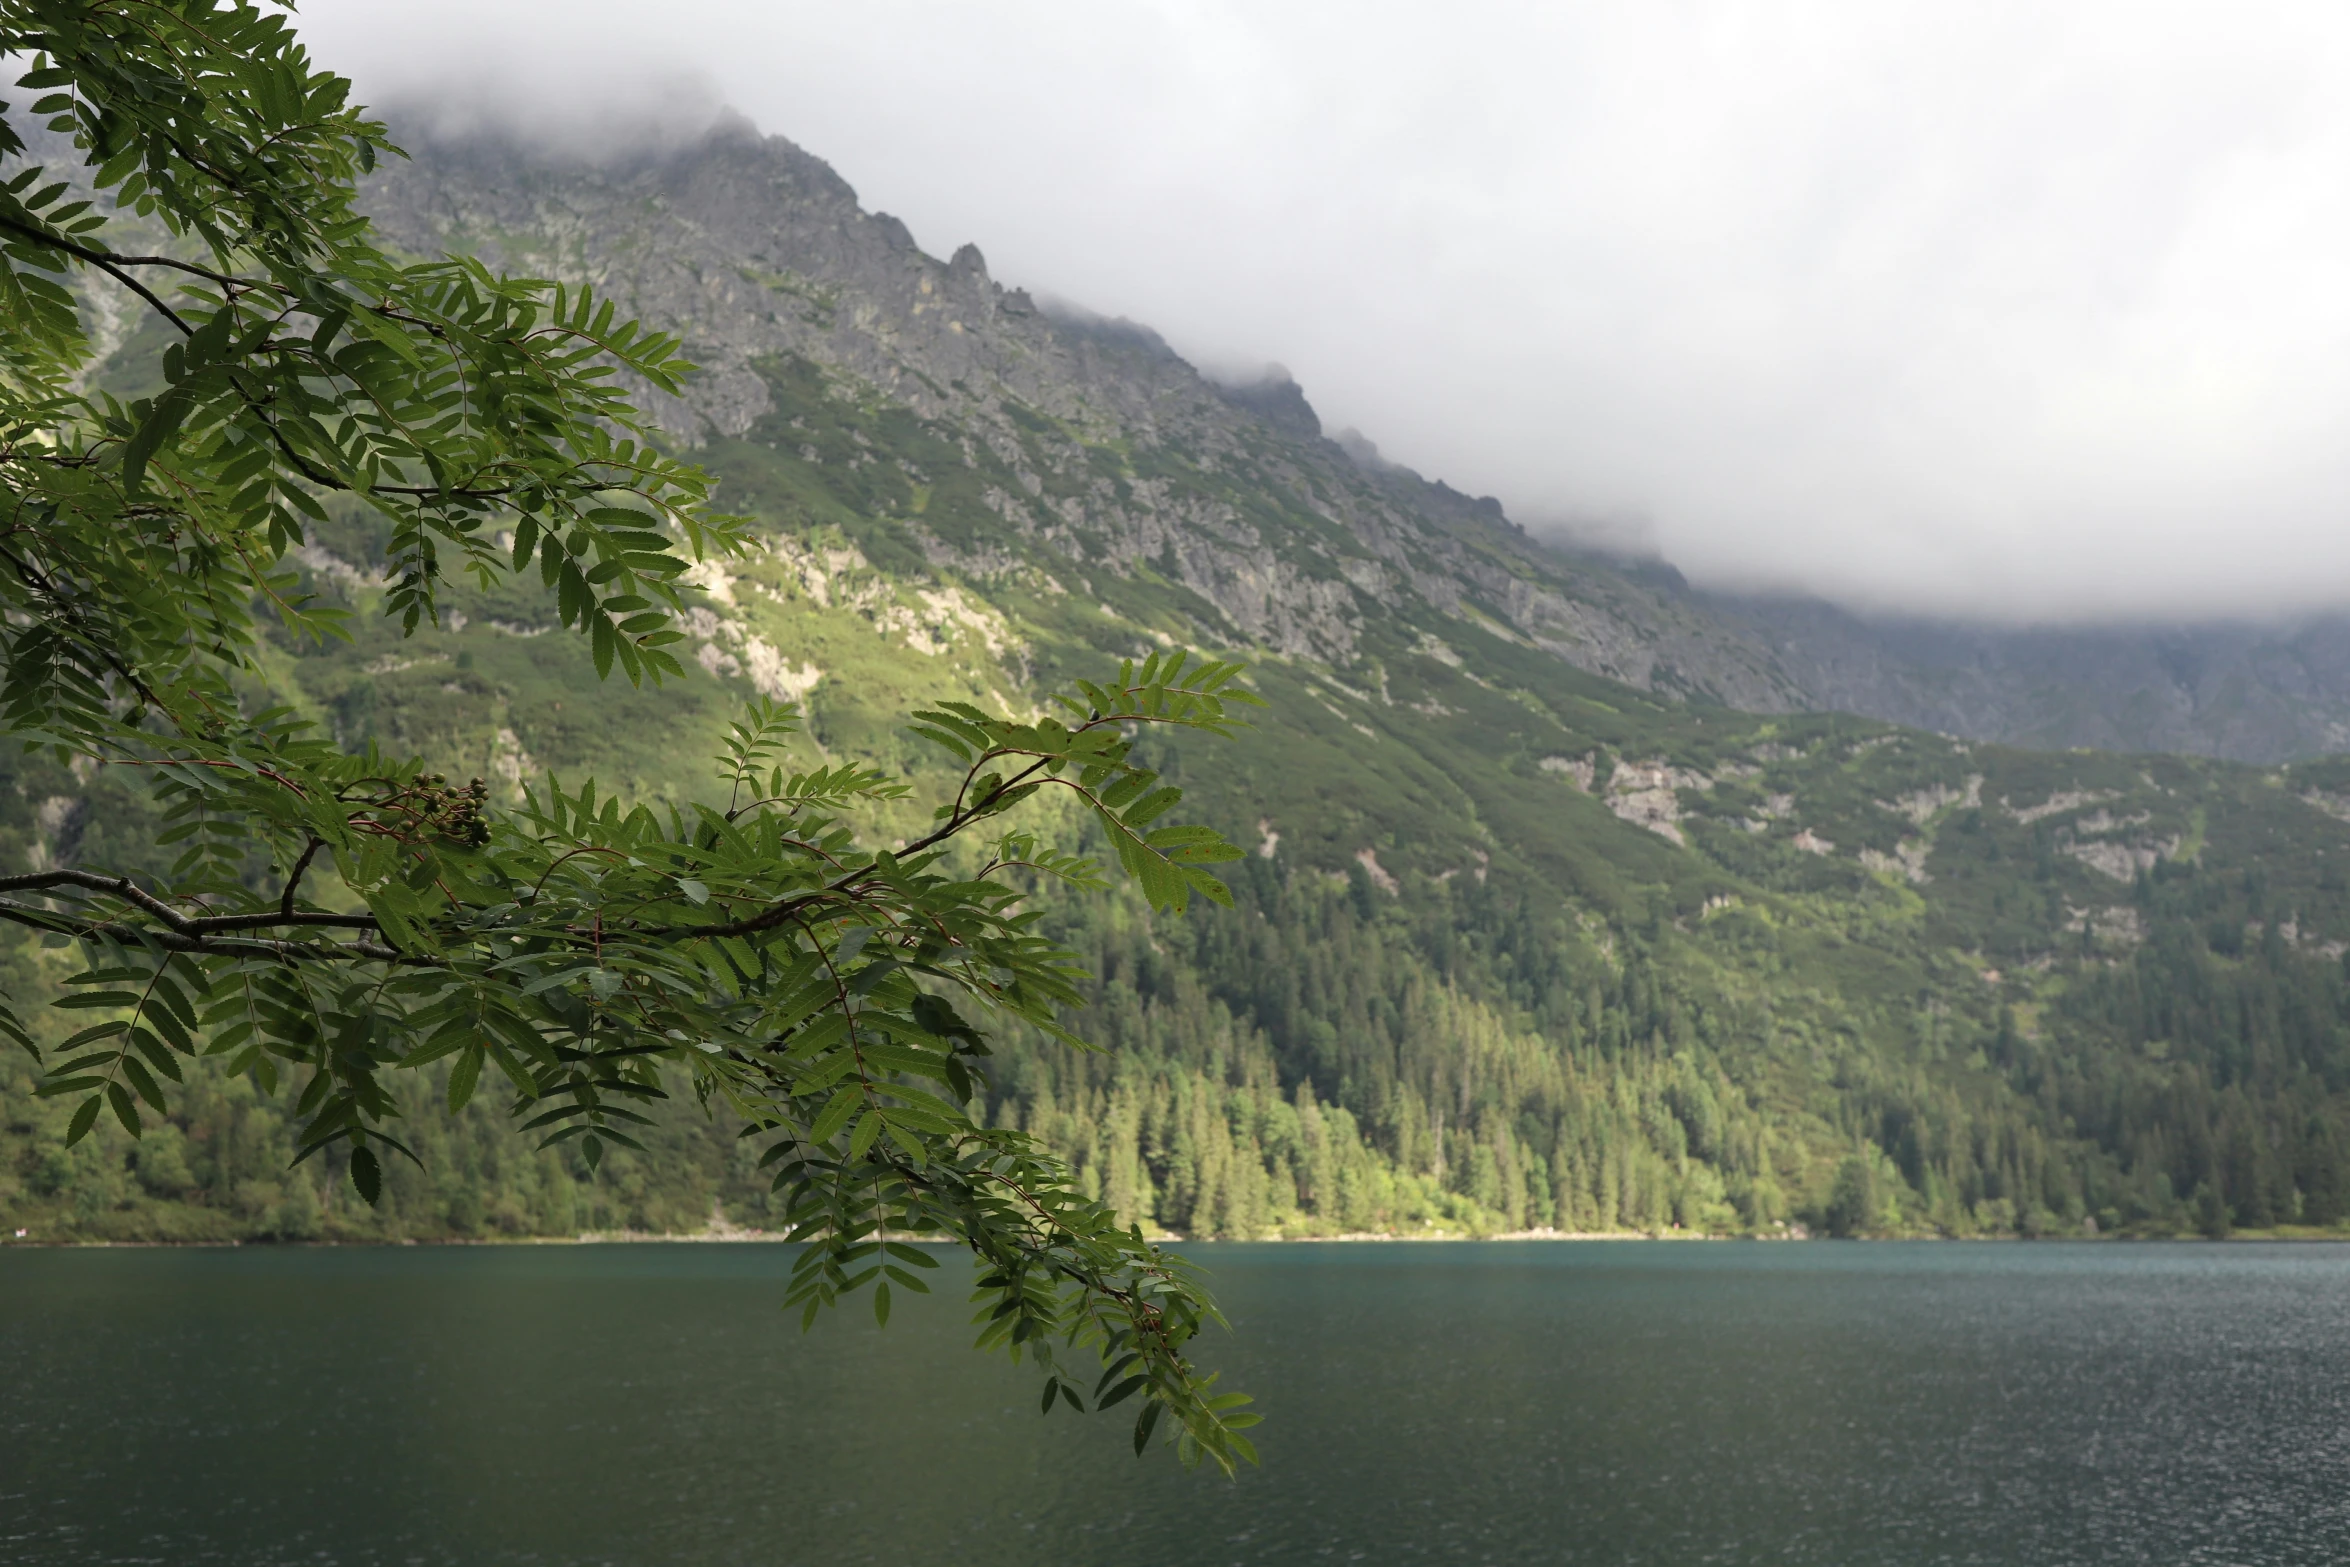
(105, 263)
(202, 945)
(286, 904)
(132, 893)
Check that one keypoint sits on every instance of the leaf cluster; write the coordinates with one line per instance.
(330, 919)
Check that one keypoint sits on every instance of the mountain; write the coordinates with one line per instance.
(2253, 692)
(2246, 690)
(737, 208)
(1568, 907)
(785, 289)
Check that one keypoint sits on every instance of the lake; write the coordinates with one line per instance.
(1507, 1402)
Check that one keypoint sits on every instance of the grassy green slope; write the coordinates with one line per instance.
(1521, 946)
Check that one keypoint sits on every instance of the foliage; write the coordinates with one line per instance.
(592, 952)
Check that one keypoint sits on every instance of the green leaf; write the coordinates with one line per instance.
(162, 421)
(836, 1114)
(1122, 1392)
(867, 1129)
(464, 1073)
(366, 1175)
(142, 1083)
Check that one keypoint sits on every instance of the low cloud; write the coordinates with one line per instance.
(625, 116)
(2007, 310)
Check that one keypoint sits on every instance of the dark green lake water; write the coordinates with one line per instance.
(1615, 1403)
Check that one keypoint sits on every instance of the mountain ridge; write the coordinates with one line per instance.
(2228, 689)
(1397, 534)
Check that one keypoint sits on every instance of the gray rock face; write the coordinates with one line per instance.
(1277, 400)
(757, 253)
(754, 252)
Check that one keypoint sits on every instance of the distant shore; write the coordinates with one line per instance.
(732, 1235)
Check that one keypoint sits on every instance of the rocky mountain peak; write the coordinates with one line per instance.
(1115, 451)
(1275, 397)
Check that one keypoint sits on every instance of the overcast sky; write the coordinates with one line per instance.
(2018, 310)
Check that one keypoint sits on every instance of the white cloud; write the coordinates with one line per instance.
(2017, 309)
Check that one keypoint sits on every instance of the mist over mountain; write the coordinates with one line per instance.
(2260, 692)
(1986, 315)
(2257, 690)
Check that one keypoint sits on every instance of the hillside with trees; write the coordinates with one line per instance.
(1556, 913)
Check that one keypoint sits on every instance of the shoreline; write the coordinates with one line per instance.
(731, 1236)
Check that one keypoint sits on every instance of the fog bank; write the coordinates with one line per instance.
(2005, 310)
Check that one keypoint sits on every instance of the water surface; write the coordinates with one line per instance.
(1561, 1402)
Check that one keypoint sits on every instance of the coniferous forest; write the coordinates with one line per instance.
(1457, 1059)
